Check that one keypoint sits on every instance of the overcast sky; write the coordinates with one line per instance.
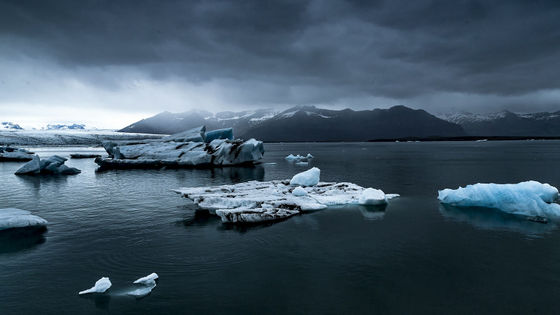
(110, 63)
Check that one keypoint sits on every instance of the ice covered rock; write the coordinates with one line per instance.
(51, 165)
(8, 153)
(11, 218)
(149, 279)
(529, 198)
(299, 191)
(100, 286)
(307, 178)
(254, 201)
(156, 154)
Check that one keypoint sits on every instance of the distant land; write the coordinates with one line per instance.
(309, 123)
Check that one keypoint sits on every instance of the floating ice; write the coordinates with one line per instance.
(148, 283)
(11, 218)
(184, 150)
(149, 279)
(255, 201)
(226, 133)
(299, 158)
(51, 165)
(299, 191)
(8, 153)
(372, 196)
(100, 286)
(307, 178)
(529, 198)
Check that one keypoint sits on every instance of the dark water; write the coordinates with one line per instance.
(415, 257)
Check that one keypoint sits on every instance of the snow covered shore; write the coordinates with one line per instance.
(254, 202)
(530, 198)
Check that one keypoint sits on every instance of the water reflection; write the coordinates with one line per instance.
(373, 213)
(34, 181)
(15, 240)
(240, 173)
(101, 301)
(493, 219)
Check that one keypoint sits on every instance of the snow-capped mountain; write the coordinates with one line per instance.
(6, 125)
(507, 123)
(307, 123)
(169, 123)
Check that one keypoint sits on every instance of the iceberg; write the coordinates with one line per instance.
(84, 156)
(11, 218)
(51, 165)
(256, 202)
(187, 149)
(100, 286)
(529, 198)
(8, 153)
(299, 158)
(307, 178)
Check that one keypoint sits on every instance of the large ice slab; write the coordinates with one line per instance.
(156, 154)
(11, 218)
(254, 201)
(52, 165)
(529, 198)
(8, 153)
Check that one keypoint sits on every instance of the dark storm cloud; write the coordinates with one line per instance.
(387, 49)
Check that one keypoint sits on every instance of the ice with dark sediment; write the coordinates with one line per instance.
(529, 198)
(254, 201)
(192, 148)
(53, 165)
(12, 218)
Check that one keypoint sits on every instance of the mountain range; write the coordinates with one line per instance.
(309, 123)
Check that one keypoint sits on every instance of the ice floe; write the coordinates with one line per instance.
(11, 218)
(51, 165)
(255, 201)
(187, 149)
(8, 153)
(100, 286)
(149, 279)
(529, 198)
(299, 158)
(145, 285)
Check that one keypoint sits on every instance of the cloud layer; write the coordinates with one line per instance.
(133, 58)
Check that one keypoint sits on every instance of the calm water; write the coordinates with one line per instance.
(414, 257)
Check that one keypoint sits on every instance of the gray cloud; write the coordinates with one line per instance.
(427, 53)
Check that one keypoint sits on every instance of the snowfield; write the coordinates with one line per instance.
(67, 137)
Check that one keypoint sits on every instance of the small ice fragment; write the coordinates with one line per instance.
(149, 279)
(299, 192)
(11, 218)
(100, 286)
(307, 178)
(142, 291)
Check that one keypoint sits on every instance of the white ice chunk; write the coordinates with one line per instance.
(372, 196)
(307, 178)
(529, 198)
(299, 191)
(256, 201)
(299, 158)
(149, 279)
(16, 218)
(100, 286)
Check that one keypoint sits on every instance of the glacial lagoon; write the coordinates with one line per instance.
(413, 256)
